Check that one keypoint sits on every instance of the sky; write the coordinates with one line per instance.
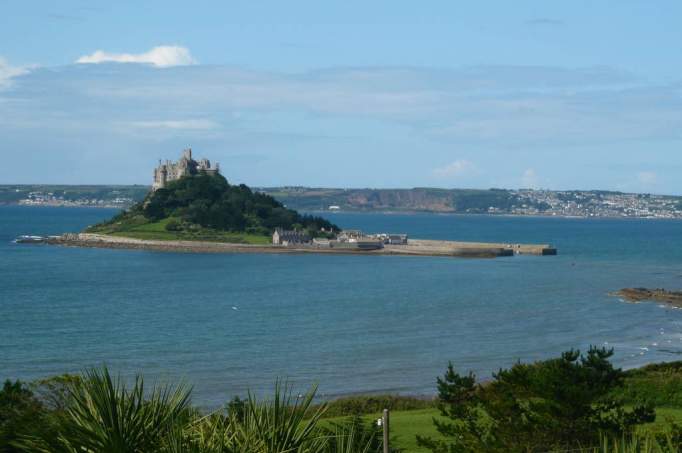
(384, 94)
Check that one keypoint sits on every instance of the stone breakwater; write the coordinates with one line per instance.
(415, 247)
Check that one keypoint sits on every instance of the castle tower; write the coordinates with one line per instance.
(185, 166)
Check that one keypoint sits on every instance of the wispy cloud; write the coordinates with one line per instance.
(190, 124)
(647, 178)
(7, 72)
(529, 179)
(456, 169)
(161, 56)
(506, 119)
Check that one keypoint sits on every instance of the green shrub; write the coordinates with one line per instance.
(544, 406)
(371, 404)
(173, 225)
(659, 384)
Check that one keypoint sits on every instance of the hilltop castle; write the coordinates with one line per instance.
(185, 166)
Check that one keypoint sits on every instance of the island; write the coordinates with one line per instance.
(193, 208)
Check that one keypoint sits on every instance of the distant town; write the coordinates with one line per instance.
(73, 196)
(570, 203)
(595, 204)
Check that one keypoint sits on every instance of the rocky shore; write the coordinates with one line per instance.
(656, 295)
(414, 248)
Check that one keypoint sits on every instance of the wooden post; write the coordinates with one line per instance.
(384, 424)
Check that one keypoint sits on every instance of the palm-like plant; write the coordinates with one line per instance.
(637, 443)
(214, 433)
(353, 436)
(283, 424)
(104, 416)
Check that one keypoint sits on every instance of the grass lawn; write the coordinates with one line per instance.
(665, 416)
(157, 231)
(405, 425)
(232, 238)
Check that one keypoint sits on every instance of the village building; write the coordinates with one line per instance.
(289, 237)
(397, 239)
(185, 166)
(350, 235)
(322, 242)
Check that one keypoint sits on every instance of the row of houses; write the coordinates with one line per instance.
(289, 237)
(347, 239)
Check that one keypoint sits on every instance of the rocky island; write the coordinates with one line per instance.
(193, 208)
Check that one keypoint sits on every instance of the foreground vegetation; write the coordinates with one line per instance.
(208, 208)
(572, 403)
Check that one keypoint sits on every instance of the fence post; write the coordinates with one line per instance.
(384, 424)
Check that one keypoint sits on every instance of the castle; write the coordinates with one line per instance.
(186, 166)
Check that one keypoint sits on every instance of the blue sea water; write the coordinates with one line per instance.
(233, 322)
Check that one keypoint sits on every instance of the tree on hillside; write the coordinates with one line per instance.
(559, 403)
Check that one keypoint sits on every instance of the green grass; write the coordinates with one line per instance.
(156, 231)
(665, 417)
(232, 238)
(404, 427)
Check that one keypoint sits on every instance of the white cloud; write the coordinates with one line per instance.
(161, 56)
(529, 179)
(647, 178)
(7, 72)
(455, 169)
(191, 124)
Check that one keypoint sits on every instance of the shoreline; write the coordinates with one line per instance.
(415, 247)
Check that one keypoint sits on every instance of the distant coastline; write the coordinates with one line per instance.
(521, 202)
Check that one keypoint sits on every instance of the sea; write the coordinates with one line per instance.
(233, 323)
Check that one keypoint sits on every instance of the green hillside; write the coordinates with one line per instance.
(204, 207)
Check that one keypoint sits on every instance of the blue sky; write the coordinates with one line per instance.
(347, 94)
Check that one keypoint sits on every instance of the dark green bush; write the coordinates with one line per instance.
(659, 384)
(549, 405)
(370, 404)
(174, 225)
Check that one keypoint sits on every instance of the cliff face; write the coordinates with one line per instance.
(417, 199)
(412, 199)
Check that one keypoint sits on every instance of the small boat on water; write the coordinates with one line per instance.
(27, 239)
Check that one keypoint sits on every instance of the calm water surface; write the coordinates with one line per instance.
(228, 323)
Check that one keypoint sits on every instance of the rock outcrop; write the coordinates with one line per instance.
(646, 294)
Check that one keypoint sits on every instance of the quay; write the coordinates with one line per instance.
(457, 248)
